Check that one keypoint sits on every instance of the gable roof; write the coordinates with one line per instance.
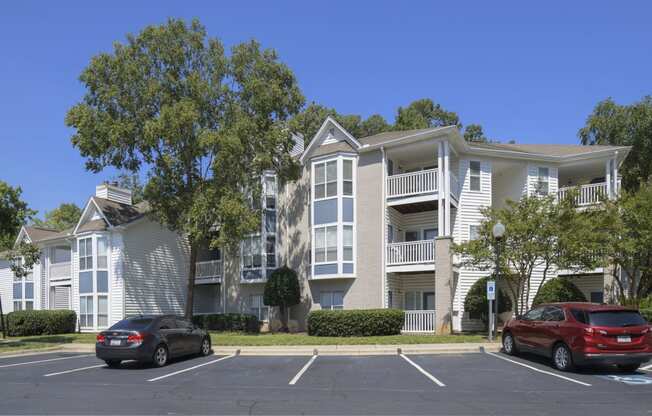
(317, 140)
(112, 214)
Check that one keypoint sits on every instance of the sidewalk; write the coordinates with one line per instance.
(453, 348)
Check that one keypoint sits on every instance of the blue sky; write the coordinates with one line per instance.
(524, 71)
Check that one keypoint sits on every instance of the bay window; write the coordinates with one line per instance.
(23, 292)
(93, 282)
(258, 251)
(326, 244)
(326, 179)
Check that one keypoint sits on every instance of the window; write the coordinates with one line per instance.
(23, 292)
(326, 244)
(534, 315)
(430, 233)
(348, 243)
(102, 311)
(411, 236)
(326, 179)
(552, 313)
(86, 311)
(542, 186)
(597, 297)
(258, 308)
(474, 175)
(413, 301)
(390, 298)
(390, 233)
(251, 252)
(580, 316)
(474, 232)
(101, 253)
(94, 282)
(332, 300)
(347, 177)
(86, 254)
(60, 254)
(259, 250)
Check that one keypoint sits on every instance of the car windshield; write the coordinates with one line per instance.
(616, 318)
(132, 324)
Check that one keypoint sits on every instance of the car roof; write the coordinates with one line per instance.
(588, 306)
(152, 316)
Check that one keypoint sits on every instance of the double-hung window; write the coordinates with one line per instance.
(326, 179)
(326, 244)
(23, 291)
(86, 304)
(543, 183)
(474, 175)
(258, 308)
(332, 300)
(93, 282)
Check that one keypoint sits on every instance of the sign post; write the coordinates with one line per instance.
(491, 297)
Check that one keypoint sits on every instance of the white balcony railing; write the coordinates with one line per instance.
(60, 271)
(419, 321)
(412, 183)
(411, 252)
(211, 269)
(586, 194)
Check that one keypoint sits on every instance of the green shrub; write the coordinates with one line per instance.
(477, 305)
(282, 290)
(646, 303)
(647, 314)
(46, 322)
(355, 323)
(228, 322)
(559, 289)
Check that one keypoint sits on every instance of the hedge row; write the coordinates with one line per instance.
(355, 323)
(228, 322)
(42, 322)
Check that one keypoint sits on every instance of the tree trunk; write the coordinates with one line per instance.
(191, 281)
(283, 312)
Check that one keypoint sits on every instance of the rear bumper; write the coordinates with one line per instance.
(612, 358)
(140, 353)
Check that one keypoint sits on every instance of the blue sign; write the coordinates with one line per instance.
(491, 289)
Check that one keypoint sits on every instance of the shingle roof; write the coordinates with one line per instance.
(37, 233)
(546, 149)
(393, 135)
(324, 149)
(117, 213)
(93, 225)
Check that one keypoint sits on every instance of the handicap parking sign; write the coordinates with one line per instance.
(632, 380)
(491, 290)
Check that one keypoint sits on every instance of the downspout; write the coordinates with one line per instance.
(383, 212)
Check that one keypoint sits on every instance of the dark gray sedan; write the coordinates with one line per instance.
(152, 338)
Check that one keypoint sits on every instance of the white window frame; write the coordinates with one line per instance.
(471, 227)
(541, 180)
(331, 295)
(256, 302)
(338, 175)
(23, 281)
(478, 175)
(94, 294)
(326, 228)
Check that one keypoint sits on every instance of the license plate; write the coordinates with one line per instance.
(624, 339)
(115, 342)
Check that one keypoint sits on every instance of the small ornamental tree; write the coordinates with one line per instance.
(558, 290)
(282, 290)
(476, 302)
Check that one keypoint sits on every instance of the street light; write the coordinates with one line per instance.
(498, 231)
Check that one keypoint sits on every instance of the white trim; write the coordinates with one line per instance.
(413, 199)
(313, 142)
(425, 267)
(83, 215)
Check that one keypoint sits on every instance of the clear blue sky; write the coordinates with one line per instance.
(524, 71)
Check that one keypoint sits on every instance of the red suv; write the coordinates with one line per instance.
(581, 333)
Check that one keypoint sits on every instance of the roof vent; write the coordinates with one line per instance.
(114, 193)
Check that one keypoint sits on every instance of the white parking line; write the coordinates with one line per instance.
(303, 370)
(424, 372)
(191, 368)
(647, 368)
(74, 370)
(44, 361)
(539, 370)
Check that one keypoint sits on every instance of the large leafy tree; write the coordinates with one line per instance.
(425, 113)
(541, 235)
(132, 182)
(64, 216)
(624, 125)
(203, 123)
(14, 213)
(474, 133)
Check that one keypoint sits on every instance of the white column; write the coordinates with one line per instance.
(608, 177)
(447, 190)
(440, 190)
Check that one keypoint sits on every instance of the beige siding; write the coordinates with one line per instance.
(155, 269)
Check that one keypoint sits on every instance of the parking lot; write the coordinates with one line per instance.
(479, 383)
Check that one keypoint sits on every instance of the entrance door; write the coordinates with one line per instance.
(429, 301)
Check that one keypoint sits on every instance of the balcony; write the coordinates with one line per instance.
(412, 183)
(587, 195)
(419, 322)
(208, 272)
(60, 271)
(411, 256)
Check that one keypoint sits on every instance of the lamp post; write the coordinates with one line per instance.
(498, 231)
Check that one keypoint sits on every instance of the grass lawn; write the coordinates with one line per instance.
(11, 344)
(237, 339)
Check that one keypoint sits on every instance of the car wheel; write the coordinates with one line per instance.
(509, 345)
(160, 356)
(562, 358)
(205, 346)
(628, 368)
(113, 363)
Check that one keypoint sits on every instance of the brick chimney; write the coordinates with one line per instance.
(112, 192)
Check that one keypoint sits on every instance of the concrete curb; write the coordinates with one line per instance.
(307, 350)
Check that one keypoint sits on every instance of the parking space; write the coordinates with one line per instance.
(477, 383)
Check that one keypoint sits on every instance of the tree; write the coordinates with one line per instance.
(373, 125)
(541, 234)
(423, 114)
(626, 225)
(474, 133)
(204, 125)
(282, 290)
(132, 182)
(64, 216)
(14, 213)
(476, 302)
(560, 289)
(624, 125)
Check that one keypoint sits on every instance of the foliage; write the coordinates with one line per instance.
(541, 234)
(424, 113)
(14, 213)
(355, 323)
(64, 216)
(476, 302)
(228, 322)
(647, 314)
(624, 125)
(276, 339)
(558, 290)
(282, 290)
(41, 322)
(626, 227)
(132, 182)
(205, 125)
(474, 133)
(23, 258)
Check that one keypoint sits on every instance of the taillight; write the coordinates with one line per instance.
(100, 338)
(591, 331)
(136, 338)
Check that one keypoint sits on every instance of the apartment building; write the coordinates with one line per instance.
(369, 224)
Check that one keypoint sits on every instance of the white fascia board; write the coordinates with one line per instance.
(435, 132)
(313, 143)
(22, 234)
(510, 154)
(88, 205)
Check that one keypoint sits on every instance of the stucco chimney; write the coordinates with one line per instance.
(113, 193)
